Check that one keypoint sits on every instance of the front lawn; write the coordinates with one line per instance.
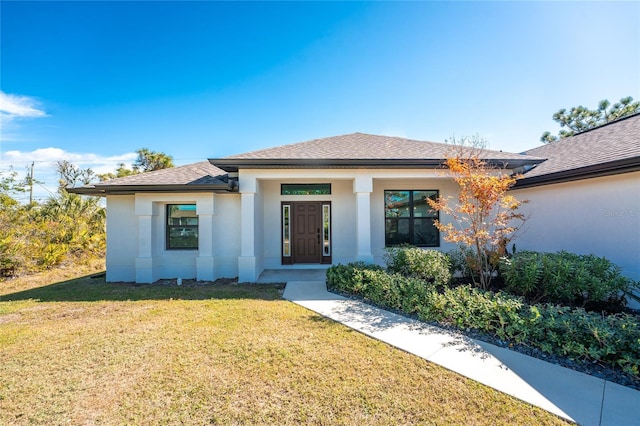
(86, 352)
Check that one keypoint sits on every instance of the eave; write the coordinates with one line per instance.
(103, 190)
(232, 165)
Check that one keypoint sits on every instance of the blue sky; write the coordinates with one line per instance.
(92, 82)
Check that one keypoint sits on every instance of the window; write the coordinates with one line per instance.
(286, 230)
(326, 229)
(409, 219)
(182, 227)
(305, 189)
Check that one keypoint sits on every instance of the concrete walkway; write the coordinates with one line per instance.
(575, 396)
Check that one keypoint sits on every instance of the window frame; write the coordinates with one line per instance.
(297, 189)
(411, 219)
(285, 224)
(169, 227)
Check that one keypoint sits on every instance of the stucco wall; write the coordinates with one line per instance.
(598, 215)
(122, 238)
(226, 235)
(137, 224)
(136, 254)
(168, 263)
(260, 234)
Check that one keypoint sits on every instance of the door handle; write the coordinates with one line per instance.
(318, 235)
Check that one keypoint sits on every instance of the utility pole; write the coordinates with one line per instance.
(31, 185)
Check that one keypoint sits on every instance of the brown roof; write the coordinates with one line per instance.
(359, 149)
(197, 177)
(352, 150)
(202, 173)
(363, 146)
(608, 149)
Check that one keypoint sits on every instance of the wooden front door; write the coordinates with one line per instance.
(307, 232)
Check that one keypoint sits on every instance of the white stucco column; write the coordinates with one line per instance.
(247, 268)
(144, 260)
(205, 264)
(362, 187)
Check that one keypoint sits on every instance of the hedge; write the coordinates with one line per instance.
(564, 278)
(574, 333)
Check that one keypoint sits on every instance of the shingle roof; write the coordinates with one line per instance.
(361, 150)
(363, 146)
(201, 173)
(614, 146)
(197, 176)
(352, 150)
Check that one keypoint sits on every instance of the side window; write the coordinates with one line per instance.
(409, 219)
(182, 227)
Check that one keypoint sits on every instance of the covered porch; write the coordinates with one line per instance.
(352, 212)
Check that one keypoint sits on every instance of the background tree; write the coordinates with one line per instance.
(147, 161)
(70, 175)
(67, 228)
(580, 119)
(11, 214)
(9, 185)
(485, 218)
(121, 171)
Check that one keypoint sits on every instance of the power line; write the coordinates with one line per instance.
(45, 188)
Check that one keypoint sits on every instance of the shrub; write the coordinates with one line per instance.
(374, 284)
(53, 255)
(470, 307)
(429, 265)
(564, 278)
(578, 334)
(575, 333)
(462, 261)
(9, 253)
(348, 278)
(41, 236)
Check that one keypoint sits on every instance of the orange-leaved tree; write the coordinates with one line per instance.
(485, 218)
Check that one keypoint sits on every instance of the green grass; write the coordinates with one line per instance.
(86, 352)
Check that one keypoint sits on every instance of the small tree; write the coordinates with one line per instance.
(485, 218)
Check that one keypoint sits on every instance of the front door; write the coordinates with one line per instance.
(307, 237)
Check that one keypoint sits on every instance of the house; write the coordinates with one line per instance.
(306, 205)
(585, 198)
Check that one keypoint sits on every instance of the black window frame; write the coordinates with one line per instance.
(305, 189)
(411, 219)
(170, 226)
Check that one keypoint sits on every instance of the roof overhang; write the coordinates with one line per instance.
(597, 170)
(234, 164)
(105, 189)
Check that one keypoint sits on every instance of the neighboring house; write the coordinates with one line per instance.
(585, 198)
(321, 202)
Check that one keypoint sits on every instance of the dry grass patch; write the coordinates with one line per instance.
(87, 352)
